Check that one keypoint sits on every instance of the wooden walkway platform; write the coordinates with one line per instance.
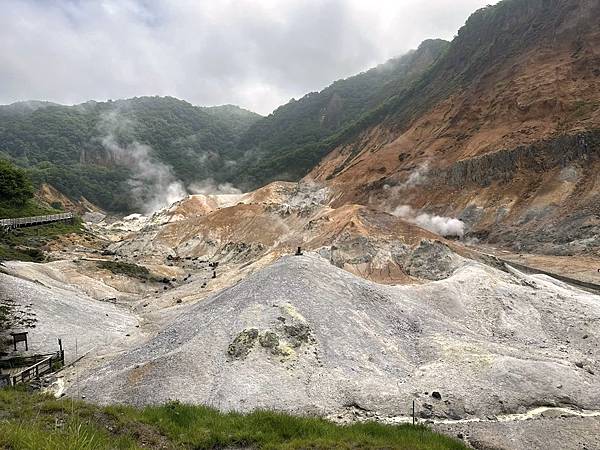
(20, 222)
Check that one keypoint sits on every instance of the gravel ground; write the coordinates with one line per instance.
(565, 433)
(61, 311)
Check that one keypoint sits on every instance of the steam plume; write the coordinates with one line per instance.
(444, 226)
(417, 177)
(209, 187)
(153, 183)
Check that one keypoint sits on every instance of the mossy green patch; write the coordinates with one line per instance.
(127, 269)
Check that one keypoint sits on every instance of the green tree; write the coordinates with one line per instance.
(15, 187)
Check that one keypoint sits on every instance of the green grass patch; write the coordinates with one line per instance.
(35, 421)
(127, 269)
(25, 244)
(30, 208)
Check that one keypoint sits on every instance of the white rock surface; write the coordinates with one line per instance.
(305, 336)
(61, 311)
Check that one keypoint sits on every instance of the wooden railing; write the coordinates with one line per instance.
(44, 366)
(20, 222)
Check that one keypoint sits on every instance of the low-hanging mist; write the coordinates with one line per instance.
(210, 187)
(154, 184)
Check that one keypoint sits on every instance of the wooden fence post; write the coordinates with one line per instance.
(61, 354)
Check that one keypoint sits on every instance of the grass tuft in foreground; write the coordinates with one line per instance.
(36, 421)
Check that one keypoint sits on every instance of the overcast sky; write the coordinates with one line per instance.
(254, 53)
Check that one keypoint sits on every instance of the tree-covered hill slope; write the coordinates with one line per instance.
(290, 141)
(96, 148)
(122, 154)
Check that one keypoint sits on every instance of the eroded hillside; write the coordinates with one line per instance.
(502, 132)
(245, 232)
(206, 302)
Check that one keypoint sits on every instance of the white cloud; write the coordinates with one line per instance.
(255, 53)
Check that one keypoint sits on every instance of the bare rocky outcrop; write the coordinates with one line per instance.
(432, 260)
(506, 164)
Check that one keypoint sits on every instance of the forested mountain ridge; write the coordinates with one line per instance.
(517, 73)
(291, 140)
(83, 149)
(95, 149)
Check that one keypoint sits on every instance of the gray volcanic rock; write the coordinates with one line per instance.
(307, 337)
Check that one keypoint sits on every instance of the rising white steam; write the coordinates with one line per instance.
(444, 226)
(417, 176)
(153, 183)
(209, 187)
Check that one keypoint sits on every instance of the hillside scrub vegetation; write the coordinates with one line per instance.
(26, 244)
(15, 187)
(16, 200)
(128, 269)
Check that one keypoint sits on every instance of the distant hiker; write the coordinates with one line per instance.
(299, 251)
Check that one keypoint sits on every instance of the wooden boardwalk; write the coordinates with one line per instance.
(20, 222)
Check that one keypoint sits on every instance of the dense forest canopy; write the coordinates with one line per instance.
(15, 187)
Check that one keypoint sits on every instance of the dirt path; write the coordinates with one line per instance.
(579, 268)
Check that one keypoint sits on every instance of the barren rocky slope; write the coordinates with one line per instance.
(51, 309)
(377, 313)
(250, 231)
(305, 336)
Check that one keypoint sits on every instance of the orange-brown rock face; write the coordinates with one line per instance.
(49, 194)
(515, 153)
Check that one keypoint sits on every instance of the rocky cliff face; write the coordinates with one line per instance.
(539, 157)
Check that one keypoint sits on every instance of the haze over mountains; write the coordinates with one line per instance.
(224, 144)
(502, 118)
